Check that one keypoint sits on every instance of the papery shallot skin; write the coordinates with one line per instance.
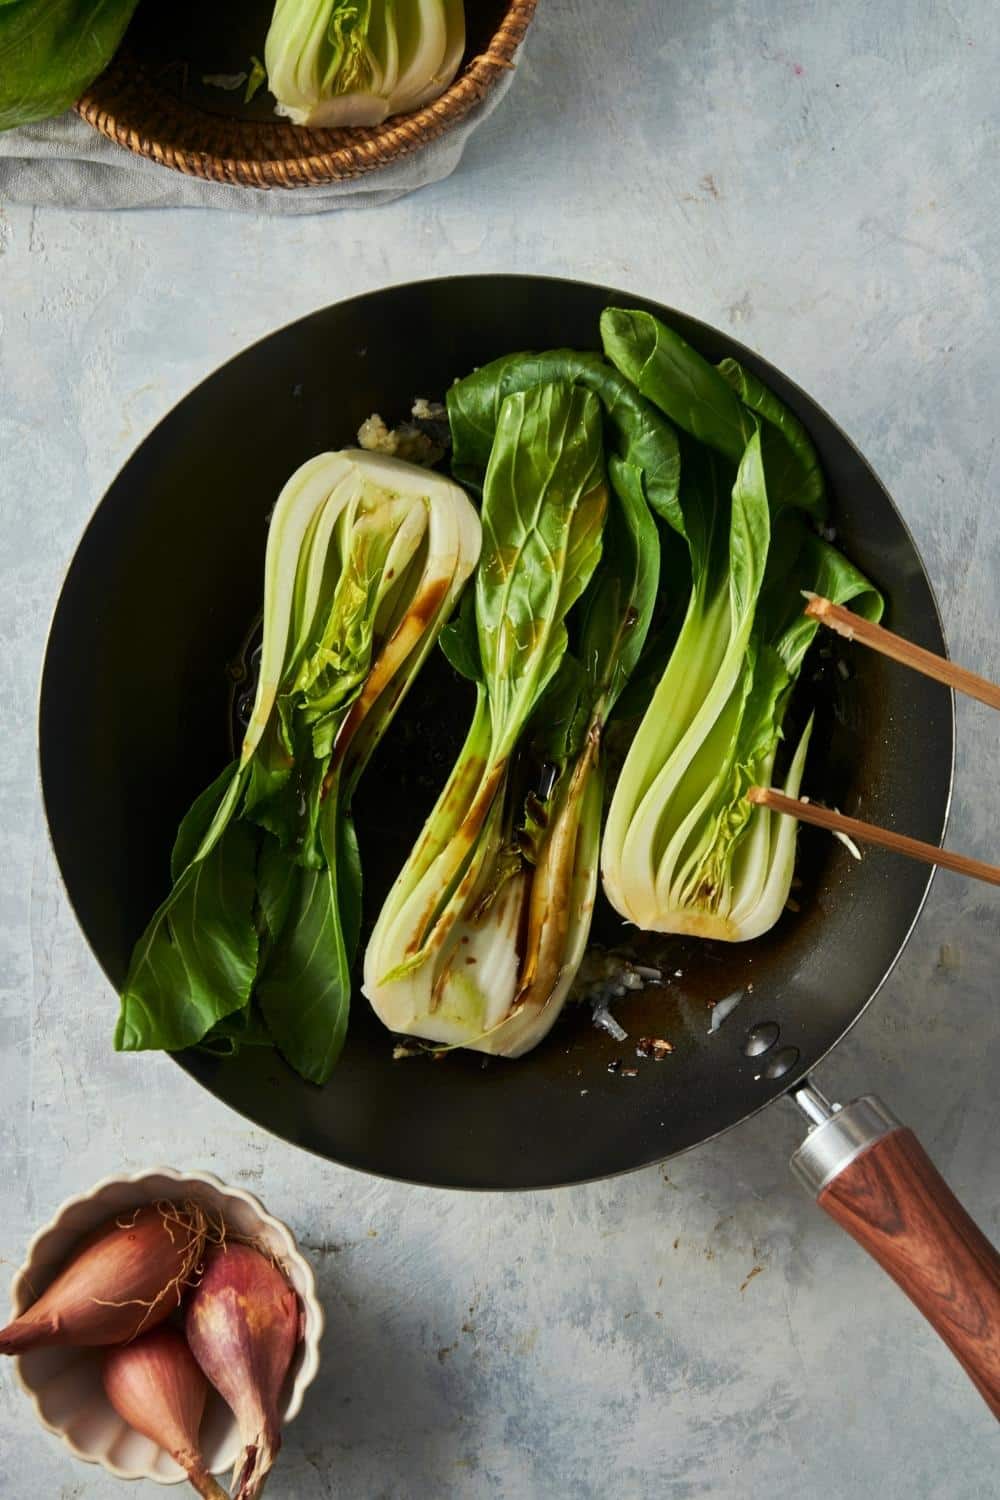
(243, 1323)
(156, 1386)
(127, 1276)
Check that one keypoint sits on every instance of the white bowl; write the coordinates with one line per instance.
(65, 1384)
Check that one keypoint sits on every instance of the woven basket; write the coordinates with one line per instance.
(128, 105)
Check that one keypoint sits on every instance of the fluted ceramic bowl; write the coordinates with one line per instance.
(65, 1384)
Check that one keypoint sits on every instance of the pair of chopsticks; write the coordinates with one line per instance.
(854, 628)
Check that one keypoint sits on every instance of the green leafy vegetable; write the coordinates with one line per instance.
(365, 559)
(635, 433)
(683, 850)
(487, 923)
(50, 50)
(683, 385)
(354, 62)
(256, 79)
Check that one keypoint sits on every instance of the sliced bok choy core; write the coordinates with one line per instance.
(365, 559)
(334, 63)
(483, 931)
(683, 850)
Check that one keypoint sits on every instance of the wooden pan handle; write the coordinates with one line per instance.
(888, 1195)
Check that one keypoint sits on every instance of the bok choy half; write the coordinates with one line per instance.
(354, 62)
(486, 925)
(366, 557)
(683, 850)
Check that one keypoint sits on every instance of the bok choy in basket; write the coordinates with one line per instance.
(341, 62)
(328, 62)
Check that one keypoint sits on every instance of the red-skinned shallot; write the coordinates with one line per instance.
(125, 1277)
(155, 1385)
(242, 1325)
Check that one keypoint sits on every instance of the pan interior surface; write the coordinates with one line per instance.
(149, 632)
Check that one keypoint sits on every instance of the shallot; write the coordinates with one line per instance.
(155, 1385)
(126, 1276)
(242, 1326)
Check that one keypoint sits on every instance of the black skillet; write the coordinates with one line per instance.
(135, 720)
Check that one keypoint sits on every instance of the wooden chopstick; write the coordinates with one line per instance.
(870, 833)
(854, 628)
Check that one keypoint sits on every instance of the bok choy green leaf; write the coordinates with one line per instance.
(486, 925)
(635, 433)
(354, 62)
(365, 559)
(683, 850)
(51, 50)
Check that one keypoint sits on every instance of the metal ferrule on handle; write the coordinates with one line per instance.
(837, 1134)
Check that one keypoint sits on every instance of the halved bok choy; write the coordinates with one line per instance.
(333, 63)
(483, 931)
(366, 557)
(683, 850)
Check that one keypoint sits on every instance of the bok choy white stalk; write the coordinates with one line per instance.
(365, 559)
(355, 62)
(487, 923)
(683, 850)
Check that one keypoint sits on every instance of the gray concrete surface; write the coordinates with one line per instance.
(823, 181)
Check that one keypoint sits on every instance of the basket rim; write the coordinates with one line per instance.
(330, 156)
